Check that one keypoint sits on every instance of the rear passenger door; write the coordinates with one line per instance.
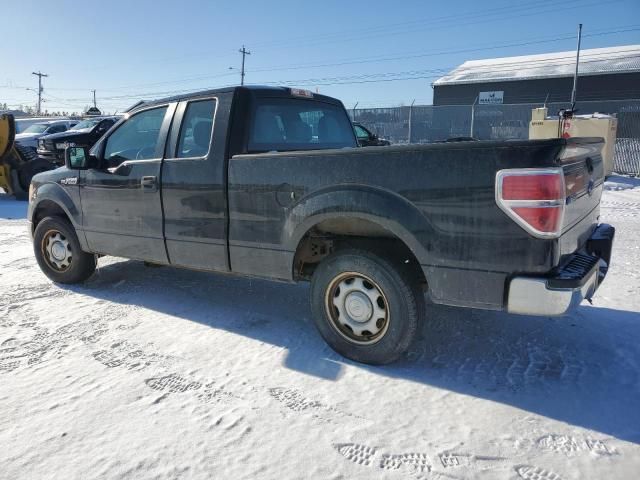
(121, 203)
(193, 185)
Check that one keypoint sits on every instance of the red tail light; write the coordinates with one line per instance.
(533, 198)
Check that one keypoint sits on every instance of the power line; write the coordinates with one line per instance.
(390, 28)
(602, 32)
(360, 61)
(442, 52)
(380, 77)
(518, 66)
(515, 66)
(455, 20)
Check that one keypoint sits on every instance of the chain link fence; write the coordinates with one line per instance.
(428, 123)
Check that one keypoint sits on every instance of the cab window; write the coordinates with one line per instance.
(135, 139)
(280, 124)
(197, 128)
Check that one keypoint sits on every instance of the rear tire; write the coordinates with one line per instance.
(16, 187)
(58, 252)
(365, 307)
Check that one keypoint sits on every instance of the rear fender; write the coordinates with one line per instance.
(387, 209)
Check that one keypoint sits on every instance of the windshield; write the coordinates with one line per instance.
(87, 124)
(36, 128)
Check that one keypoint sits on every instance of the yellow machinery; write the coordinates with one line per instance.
(18, 164)
(595, 125)
(7, 134)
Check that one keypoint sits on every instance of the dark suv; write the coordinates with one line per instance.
(84, 134)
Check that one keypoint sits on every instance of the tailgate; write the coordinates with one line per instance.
(583, 168)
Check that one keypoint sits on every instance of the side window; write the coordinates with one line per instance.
(135, 139)
(104, 125)
(361, 133)
(196, 130)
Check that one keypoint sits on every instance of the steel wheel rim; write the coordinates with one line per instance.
(357, 308)
(56, 251)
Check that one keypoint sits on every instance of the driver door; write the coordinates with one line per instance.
(121, 204)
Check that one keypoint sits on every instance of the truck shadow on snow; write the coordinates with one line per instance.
(582, 369)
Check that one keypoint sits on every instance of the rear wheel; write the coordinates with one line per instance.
(365, 307)
(16, 186)
(58, 252)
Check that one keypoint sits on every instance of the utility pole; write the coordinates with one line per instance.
(94, 99)
(473, 116)
(244, 53)
(39, 75)
(411, 119)
(575, 77)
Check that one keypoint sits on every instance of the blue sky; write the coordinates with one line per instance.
(132, 49)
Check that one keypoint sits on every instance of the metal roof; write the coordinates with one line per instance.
(595, 61)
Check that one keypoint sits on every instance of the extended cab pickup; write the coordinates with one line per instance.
(270, 182)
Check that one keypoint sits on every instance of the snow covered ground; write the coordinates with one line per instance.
(158, 373)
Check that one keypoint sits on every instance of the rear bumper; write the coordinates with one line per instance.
(564, 289)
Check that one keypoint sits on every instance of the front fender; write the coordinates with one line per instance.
(385, 208)
(53, 192)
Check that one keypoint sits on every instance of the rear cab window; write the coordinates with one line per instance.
(289, 124)
(196, 129)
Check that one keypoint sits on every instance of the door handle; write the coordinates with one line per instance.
(148, 184)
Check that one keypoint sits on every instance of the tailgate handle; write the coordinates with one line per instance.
(589, 162)
(148, 183)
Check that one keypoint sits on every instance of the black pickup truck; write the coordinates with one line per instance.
(85, 133)
(270, 182)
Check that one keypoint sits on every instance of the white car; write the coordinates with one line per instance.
(29, 136)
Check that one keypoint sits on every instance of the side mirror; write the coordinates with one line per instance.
(77, 158)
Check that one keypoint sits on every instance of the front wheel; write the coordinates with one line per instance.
(365, 307)
(58, 252)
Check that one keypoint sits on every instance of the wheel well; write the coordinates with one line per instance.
(47, 208)
(333, 235)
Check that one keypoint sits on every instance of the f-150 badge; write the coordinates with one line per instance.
(69, 181)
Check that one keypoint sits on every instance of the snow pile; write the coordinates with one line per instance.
(621, 59)
(159, 373)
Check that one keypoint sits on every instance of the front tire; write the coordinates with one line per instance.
(365, 306)
(58, 252)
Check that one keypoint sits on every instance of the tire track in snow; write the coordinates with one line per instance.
(615, 209)
(295, 401)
